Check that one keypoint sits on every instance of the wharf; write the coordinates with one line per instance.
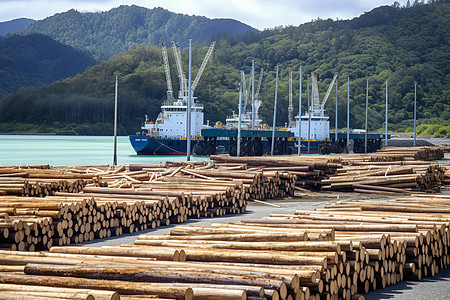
(245, 133)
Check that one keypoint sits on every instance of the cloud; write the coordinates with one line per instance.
(257, 13)
(269, 13)
(40, 9)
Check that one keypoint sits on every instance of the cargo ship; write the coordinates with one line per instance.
(167, 135)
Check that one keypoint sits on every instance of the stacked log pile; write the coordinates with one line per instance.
(339, 252)
(296, 257)
(427, 247)
(309, 172)
(387, 179)
(30, 183)
(35, 274)
(447, 176)
(445, 148)
(128, 199)
(226, 271)
(392, 170)
(415, 153)
(410, 241)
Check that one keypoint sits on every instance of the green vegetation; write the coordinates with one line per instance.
(108, 33)
(400, 45)
(88, 98)
(37, 60)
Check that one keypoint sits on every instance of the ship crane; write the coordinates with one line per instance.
(316, 99)
(183, 82)
(167, 71)
(318, 108)
(290, 106)
(246, 88)
(202, 67)
(257, 101)
(259, 84)
(322, 105)
(182, 75)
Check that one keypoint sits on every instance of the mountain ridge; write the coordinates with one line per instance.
(409, 46)
(123, 28)
(14, 25)
(37, 60)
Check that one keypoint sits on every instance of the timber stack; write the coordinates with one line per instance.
(36, 182)
(415, 153)
(387, 179)
(126, 199)
(363, 251)
(427, 247)
(308, 173)
(397, 170)
(447, 176)
(339, 252)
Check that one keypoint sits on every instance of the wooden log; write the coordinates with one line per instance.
(126, 288)
(161, 254)
(143, 274)
(250, 290)
(265, 246)
(130, 192)
(54, 292)
(218, 294)
(251, 237)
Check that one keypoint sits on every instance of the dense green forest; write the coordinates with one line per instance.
(402, 46)
(37, 60)
(108, 33)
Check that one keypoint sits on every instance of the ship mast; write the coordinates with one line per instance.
(291, 106)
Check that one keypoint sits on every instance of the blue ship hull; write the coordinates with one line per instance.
(146, 145)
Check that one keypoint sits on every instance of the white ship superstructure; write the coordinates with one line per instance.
(246, 119)
(171, 122)
(232, 121)
(318, 125)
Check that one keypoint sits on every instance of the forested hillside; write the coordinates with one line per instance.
(400, 45)
(108, 33)
(37, 60)
(14, 25)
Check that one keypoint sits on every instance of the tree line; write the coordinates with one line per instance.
(408, 46)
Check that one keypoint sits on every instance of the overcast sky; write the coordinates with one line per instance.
(257, 13)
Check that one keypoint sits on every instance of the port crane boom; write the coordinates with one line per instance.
(202, 67)
(167, 71)
(316, 99)
(322, 105)
(246, 88)
(318, 108)
(259, 84)
(183, 82)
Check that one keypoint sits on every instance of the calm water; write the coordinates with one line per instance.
(58, 150)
